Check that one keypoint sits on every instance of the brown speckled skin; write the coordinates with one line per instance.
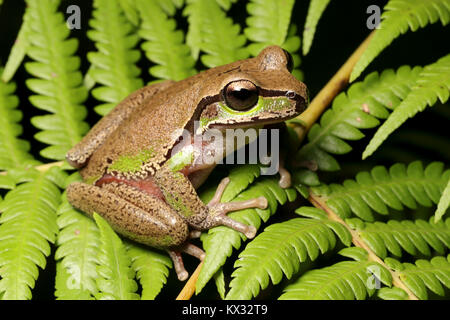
(147, 120)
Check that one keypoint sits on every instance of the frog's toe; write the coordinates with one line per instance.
(193, 250)
(178, 264)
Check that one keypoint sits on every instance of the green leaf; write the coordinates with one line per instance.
(356, 253)
(398, 17)
(226, 4)
(415, 237)
(115, 276)
(347, 280)
(432, 83)
(315, 11)
(426, 274)
(13, 151)
(58, 82)
(113, 65)
(269, 24)
(380, 189)
(219, 279)
(392, 294)
(164, 44)
(19, 49)
(28, 225)
(208, 26)
(359, 108)
(77, 253)
(151, 267)
(130, 10)
(279, 250)
(443, 204)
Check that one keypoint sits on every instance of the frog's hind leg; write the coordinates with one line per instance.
(138, 216)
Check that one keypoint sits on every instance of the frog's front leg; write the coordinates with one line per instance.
(181, 195)
(139, 216)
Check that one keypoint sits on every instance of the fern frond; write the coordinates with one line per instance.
(432, 83)
(269, 24)
(59, 82)
(115, 279)
(77, 252)
(13, 151)
(415, 237)
(130, 10)
(398, 17)
(315, 11)
(168, 6)
(151, 268)
(226, 4)
(219, 279)
(208, 26)
(424, 274)
(164, 44)
(114, 62)
(347, 280)
(359, 108)
(28, 225)
(219, 242)
(393, 293)
(19, 49)
(444, 203)
(379, 189)
(279, 250)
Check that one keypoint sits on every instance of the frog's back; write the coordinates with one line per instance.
(143, 141)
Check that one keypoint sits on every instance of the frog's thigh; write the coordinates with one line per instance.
(80, 153)
(134, 214)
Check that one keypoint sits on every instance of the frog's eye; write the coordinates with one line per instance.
(290, 61)
(240, 95)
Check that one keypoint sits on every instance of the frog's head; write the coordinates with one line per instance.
(253, 92)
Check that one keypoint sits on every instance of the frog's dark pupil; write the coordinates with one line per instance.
(241, 95)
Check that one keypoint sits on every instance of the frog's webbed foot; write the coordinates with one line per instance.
(218, 211)
(175, 255)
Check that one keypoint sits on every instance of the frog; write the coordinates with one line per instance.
(141, 174)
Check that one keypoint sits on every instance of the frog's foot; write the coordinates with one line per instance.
(194, 234)
(178, 264)
(219, 210)
(175, 255)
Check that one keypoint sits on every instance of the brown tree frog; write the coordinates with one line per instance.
(145, 190)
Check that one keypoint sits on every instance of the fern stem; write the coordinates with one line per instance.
(189, 289)
(319, 202)
(324, 98)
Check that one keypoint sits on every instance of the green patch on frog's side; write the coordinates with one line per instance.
(178, 205)
(181, 159)
(131, 163)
